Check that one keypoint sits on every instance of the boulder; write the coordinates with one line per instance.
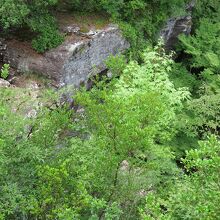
(73, 62)
(4, 83)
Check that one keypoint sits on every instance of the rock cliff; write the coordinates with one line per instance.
(176, 26)
(73, 62)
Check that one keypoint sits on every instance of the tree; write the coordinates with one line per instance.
(127, 120)
(203, 49)
(195, 195)
(36, 15)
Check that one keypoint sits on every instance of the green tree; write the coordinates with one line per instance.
(36, 15)
(196, 194)
(24, 145)
(5, 71)
(203, 48)
(128, 119)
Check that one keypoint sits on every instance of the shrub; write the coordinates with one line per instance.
(192, 196)
(36, 16)
(5, 71)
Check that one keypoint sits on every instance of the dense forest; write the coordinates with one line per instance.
(142, 144)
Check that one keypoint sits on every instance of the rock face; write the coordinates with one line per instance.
(176, 26)
(3, 47)
(73, 62)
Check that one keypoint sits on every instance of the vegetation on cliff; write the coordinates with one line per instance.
(140, 19)
(143, 145)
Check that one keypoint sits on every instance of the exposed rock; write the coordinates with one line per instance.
(3, 47)
(109, 74)
(32, 113)
(73, 62)
(90, 33)
(124, 166)
(71, 29)
(175, 27)
(4, 83)
(190, 6)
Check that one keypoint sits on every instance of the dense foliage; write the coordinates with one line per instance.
(143, 144)
(139, 19)
(36, 16)
(195, 195)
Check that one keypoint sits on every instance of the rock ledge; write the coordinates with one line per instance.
(73, 62)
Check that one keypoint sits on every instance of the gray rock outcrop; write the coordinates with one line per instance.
(73, 62)
(4, 83)
(176, 26)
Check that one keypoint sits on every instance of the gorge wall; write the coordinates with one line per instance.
(82, 54)
(72, 63)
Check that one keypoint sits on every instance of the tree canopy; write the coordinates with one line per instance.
(141, 143)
